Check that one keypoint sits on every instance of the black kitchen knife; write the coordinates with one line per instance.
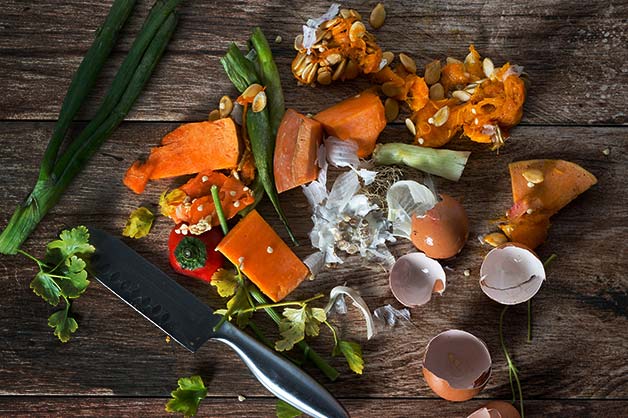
(190, 322)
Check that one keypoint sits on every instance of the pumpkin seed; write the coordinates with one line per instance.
(352, 70)
(391, 109)
(389, 57)
(340, 69)
(391, 88)
(356, 31)
(437, 92)
(410, 126)
(214, 115)
(345, 13)
(378, 15)
(533, 175)
(225, 106)
(299, 63)
(259, 102)
(408, 63)
(310, 74)
(278, 39)
(488, 67)
(324, 77)
(469, 59)
(452, 60)
(432, 72)
(251, 92)
(333, 58)
(355, 13)
(330, 23)
(495, 239)
(298, 42)
(440, 118)
(461, 95)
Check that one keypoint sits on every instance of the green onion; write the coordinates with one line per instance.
(126, 88)
(440, 162)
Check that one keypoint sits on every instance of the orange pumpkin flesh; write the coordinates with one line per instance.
(534, 204)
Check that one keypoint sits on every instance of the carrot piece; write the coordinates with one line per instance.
(360, 118)
(189, 149)
(263, 256)
(298, 139)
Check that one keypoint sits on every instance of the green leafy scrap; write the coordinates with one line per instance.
(62, 276)
(64, 325)
(139, 223)
(225, 281)
(352, 353)
(297, 323)
(285, 410)
(188, 396)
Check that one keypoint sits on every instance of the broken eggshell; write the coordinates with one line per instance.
(443, 230)
(511, 274)
(456, 365)
(414, 277)
(496, 409)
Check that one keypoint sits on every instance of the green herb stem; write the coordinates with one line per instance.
(512, 370)
(281, 304)
(219, 211)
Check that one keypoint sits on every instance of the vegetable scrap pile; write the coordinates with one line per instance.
(253, 147)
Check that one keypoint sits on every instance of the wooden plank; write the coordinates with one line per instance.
(256, 407)
(577, 352)
(572, 52)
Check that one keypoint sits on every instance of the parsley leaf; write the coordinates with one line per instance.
(285, 410)
(75, 281)
(139, 223)
(63, 324)
(188, 396)
(43, 285)
(353, 354)
(71, 242)
(225, 281)
(297, 323)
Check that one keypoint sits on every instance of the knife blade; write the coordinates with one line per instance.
(190, 322)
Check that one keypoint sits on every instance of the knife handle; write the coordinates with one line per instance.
(285, 380)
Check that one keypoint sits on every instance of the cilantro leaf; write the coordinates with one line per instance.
(71, 242)
(188, 396)
(353, 354)
(285, 410)
(297, 323)
(43, 285)
(75, 281)
(225, 282)
(63, 324)
(139, 223)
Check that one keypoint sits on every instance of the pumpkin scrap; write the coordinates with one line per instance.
(540, 188)
(263, 257)
(296, 148)
(189, 149)
(483, 102)
(341, 49)
(192, 206)
(360, 118)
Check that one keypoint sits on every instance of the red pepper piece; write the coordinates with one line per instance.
(195, 255)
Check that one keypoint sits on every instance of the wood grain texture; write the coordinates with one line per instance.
(259, 407)
(118, 364)
(573, 51)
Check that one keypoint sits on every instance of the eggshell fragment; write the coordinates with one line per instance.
(496, 409)
(414, 278)
(456, 365)
(443, 230)
(511, 274)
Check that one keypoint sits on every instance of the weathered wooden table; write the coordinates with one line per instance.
(120, 365)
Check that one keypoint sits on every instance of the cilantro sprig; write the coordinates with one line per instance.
(187, 397)
(62, 277)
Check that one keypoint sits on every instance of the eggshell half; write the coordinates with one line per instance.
(511, 274)
(443, 230)
(496, 409)
(414, 277)
(456, 365)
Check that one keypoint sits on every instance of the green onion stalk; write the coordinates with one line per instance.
(57, 172)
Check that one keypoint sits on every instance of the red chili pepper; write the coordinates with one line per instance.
(195, 255)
